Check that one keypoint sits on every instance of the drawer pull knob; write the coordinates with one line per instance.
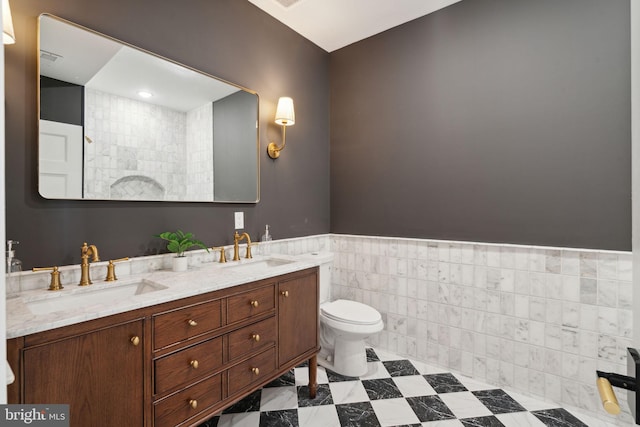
(194, 364)
(255, 371)
(192, 322)
(135, 340)
(254, 303)
(193, 403)
(285, 293)
(255, 337)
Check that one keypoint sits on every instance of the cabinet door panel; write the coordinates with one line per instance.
(99, 374)
(297, 317)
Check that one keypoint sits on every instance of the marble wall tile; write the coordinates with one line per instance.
(537, 333)
(588, 264)
(607, 293)
(552, 261)
(570, 263)
(538, 320)
(625, 295)
(537, 309)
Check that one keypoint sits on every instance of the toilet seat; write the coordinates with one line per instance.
(350, 312)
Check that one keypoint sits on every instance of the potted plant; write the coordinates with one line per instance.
(178, 243)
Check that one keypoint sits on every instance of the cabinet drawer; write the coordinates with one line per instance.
(180, 407)
(175, 326)
(251, 371)
(252, 303)
(187, 365)
(252, 338)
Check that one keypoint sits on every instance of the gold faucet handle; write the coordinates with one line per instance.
(55, 284)
(249, 254)
(111, 269)
(223, 255)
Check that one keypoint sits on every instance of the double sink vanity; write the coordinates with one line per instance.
(164, 348)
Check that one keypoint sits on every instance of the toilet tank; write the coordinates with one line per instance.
(325, 261)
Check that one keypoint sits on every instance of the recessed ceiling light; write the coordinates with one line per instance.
(145, 94)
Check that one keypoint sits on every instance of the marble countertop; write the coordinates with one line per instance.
(23, 319)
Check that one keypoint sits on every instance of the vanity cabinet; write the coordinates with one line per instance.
(177, 363)
(98, 373)
(298, 331)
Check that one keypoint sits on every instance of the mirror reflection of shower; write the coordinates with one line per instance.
(111, 112)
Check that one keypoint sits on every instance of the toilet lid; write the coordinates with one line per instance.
(351, 312)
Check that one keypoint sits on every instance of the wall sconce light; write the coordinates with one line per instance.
(8, 36)
(285, 116)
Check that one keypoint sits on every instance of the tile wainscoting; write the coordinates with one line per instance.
(533, 319)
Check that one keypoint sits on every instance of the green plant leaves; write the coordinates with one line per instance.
(179, 241)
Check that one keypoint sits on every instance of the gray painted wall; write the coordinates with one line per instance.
(234, 176)
(61, 101)
(490, 120)
(228, 38)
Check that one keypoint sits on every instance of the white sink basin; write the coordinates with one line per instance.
(257, 266)
(104, 296)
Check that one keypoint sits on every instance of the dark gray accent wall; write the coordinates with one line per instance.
(61, 101)
(234, 159)
(490, 120)
(228, 38)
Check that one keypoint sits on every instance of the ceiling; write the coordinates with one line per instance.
(73, 54)
(334, 24)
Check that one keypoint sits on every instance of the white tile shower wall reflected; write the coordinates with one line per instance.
(122, 147)
(139, 150)
(537, 320)
(199, 153)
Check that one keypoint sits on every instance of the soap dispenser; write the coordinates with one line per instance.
(266, 237)
(13, 263)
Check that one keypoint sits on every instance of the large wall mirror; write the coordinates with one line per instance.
(120, 123)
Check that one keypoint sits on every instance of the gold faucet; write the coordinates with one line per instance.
(85, 252)
(236, 238)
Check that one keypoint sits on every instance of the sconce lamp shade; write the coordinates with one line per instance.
(285, 115)
(8, 36)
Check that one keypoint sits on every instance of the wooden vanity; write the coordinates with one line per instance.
(176, 363)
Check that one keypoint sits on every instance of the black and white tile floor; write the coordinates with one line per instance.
(394, 392)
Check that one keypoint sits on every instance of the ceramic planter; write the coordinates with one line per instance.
(180, 263)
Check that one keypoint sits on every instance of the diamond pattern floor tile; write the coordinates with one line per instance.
(394, 392)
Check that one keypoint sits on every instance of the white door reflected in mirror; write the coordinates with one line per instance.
(60, 165)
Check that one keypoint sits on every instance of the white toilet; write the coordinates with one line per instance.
(344, 327)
